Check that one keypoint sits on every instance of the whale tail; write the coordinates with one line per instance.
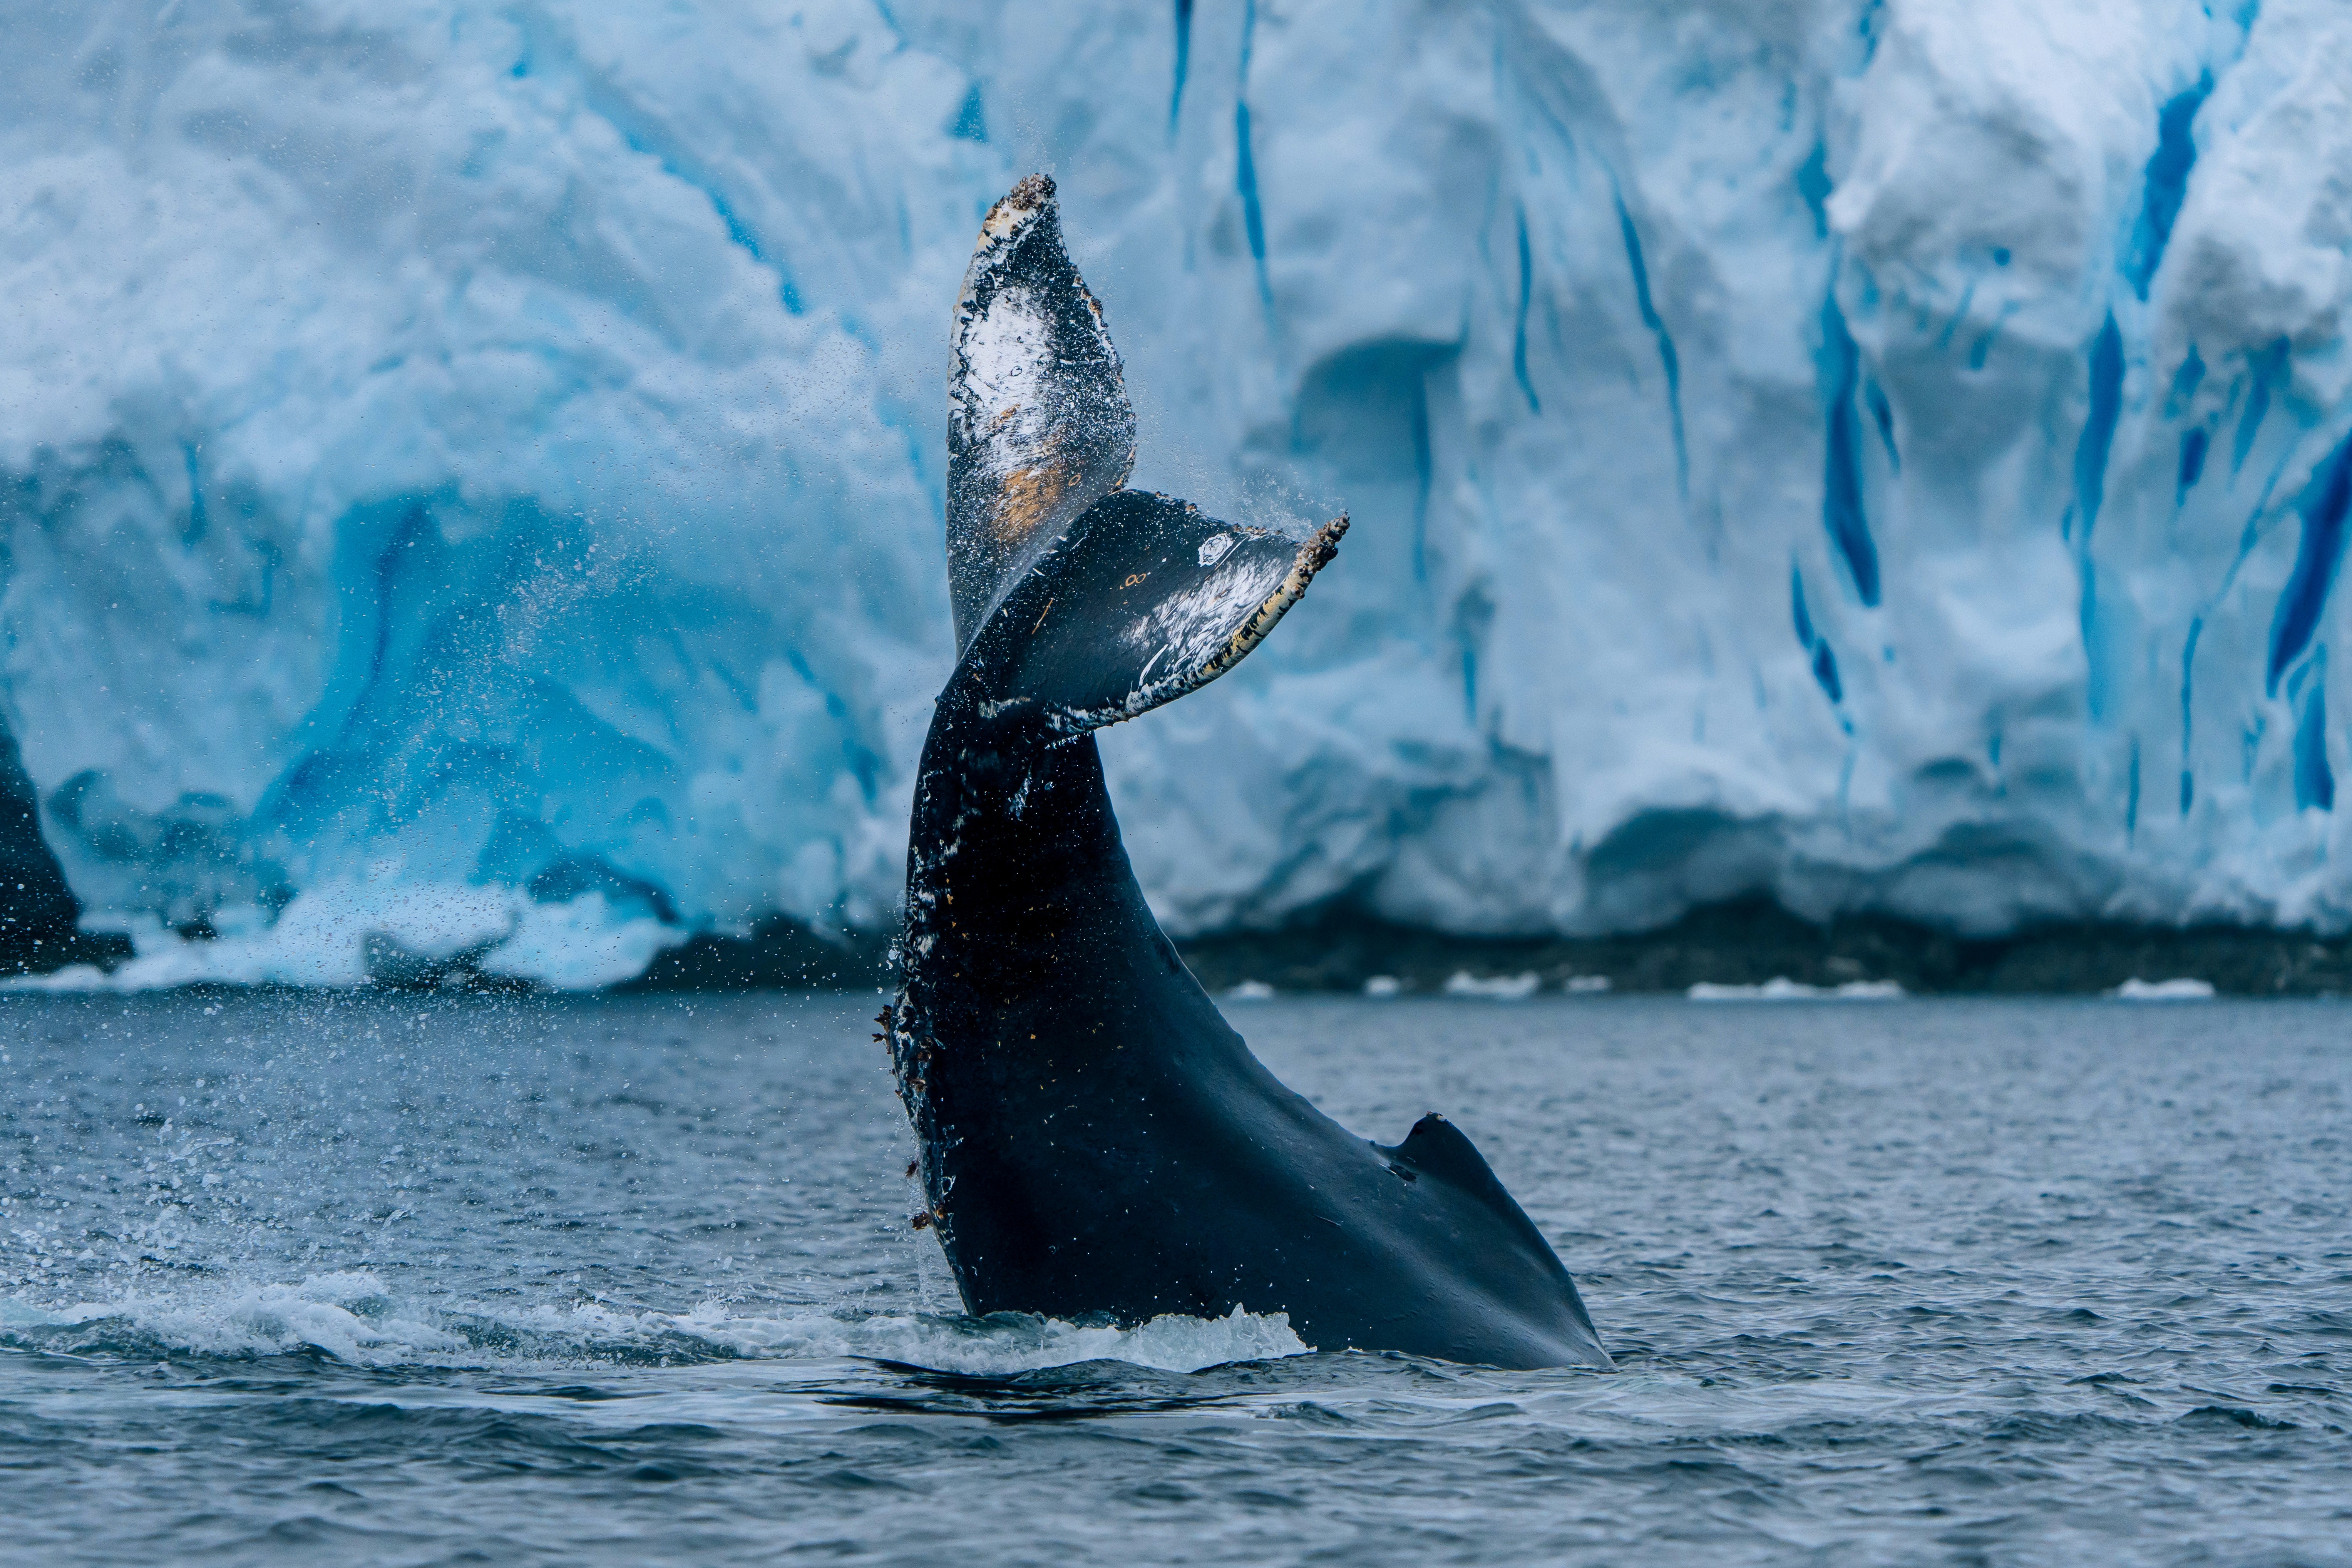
(1145, 599)
(1089, 602)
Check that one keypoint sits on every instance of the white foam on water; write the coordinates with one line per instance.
(324, 1311)
(1006, 1344)
(351, 1316)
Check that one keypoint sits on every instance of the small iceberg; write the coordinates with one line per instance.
(1586, 984)
(1494, 987)
(1251, 991)
(1781, 989)
(2179, 990)
(1383, 985)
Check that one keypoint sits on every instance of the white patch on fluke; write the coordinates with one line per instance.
(1005, 385)
(1194, 624)
(1207, 629)
(1214, 550)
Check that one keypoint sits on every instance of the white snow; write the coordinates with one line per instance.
(509, 445)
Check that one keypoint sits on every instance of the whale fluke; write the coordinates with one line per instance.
(1039, 428)
(1144, 599)
(1093, 1138)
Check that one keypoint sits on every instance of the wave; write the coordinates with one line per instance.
(352, 1318)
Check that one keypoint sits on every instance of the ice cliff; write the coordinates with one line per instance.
(470, 477)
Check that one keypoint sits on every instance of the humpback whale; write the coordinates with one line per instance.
(1094, 1140)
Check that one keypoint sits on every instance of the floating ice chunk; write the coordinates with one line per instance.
(1383, 985)
(1251, 991)
(1494, 987)
(1774, 990)
(1586, 984)
(2176, 990)
(1781, 989)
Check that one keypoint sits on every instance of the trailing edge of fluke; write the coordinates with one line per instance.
(1095, 1140)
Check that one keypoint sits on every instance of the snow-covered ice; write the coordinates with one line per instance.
(1891, 455)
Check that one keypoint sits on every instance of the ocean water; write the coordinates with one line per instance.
(423, 1279)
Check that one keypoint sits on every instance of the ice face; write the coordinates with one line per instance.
(1888, 454)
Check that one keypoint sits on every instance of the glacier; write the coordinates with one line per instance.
(470, 476)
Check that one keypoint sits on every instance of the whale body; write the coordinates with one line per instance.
(1094, 1139)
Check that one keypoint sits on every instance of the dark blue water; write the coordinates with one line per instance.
(287, 1280)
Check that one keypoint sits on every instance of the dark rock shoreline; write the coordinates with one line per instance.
(1752, 941)
(1743, 944)
(1747, 942)
(38, 912)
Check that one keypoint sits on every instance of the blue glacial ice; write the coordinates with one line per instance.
(470, 477)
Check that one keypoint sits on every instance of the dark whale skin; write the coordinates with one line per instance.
(1093, 1138)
